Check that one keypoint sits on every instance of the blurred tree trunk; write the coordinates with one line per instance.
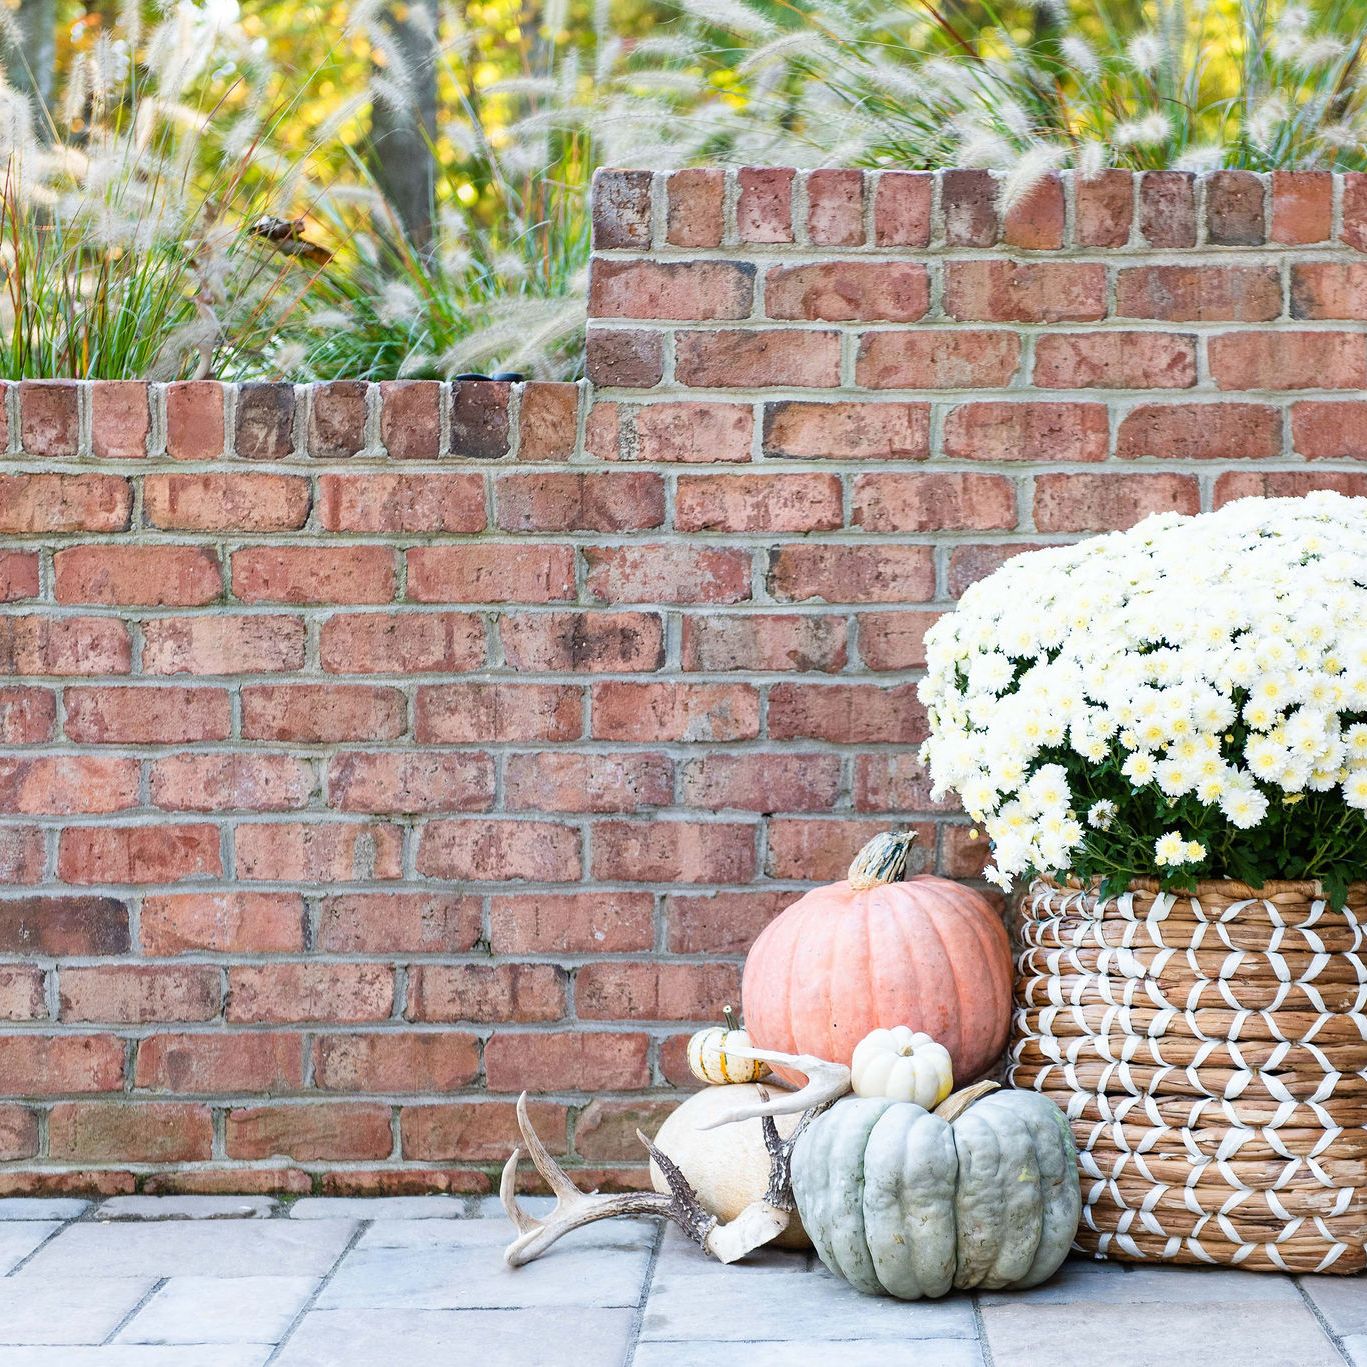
(33, 67)
(400, 153)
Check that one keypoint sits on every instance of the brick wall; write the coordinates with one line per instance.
(369, 753)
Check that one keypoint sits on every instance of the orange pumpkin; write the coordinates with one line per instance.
(873, 952)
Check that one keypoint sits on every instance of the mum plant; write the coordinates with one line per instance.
(1186, 699)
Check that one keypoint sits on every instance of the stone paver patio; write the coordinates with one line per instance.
(246, 1282)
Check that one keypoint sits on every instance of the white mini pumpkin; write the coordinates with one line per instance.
(709, 1061)
(903, 1065)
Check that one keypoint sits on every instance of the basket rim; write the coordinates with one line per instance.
(1309, 888)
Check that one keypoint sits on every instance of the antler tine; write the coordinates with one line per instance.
(826, 1082)
(555, 1176)
(507, 1188)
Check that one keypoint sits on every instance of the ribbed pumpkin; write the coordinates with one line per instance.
(873, 952)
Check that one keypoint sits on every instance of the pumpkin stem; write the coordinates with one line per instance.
(952, 1107)
(729, 1016)
(882, 860)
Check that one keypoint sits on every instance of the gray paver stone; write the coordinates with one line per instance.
(57, 1312)
(186, 1208)
(1355, 1345)
(1341, 1300)
(142, 1355)
(1082, 1279)
(792, 1353)
(378, 1208)
(41, 1207)
(220, 1310)
(19, 1239)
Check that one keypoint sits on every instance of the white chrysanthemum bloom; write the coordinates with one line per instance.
(1208, 673)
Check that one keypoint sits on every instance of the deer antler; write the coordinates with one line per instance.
(826, 1082)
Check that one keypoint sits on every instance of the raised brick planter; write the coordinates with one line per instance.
(372, 752)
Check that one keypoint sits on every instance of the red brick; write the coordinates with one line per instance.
(621, 209)
(194, 420)
(1035, 221)
(119, 419)
(64, 645)
(410, 419)
(1234, 209)
(407, 782)
(337, 418)
(847, 713)
(1189, 431)
(222, 923)
(313, 714)
(310, 1133)
(842, 291)
(402, 643)
(138, 854)
(228, 782)
(236, 502)
(491, 573)
(374, 502)
(692, 290)
(1026, 431)
(127, 995)
(596, 782)
(216, 1063)
(398, 923)
(764, 209)
(762, 783)
(1167, 208)
(692, 432)
(835, 207)
(486, 713)
(146, 716)
(27, 715)
(588, 642)
(716, 642)
(894, 640)
(256, 644)
(631, 358)
(1024, 292)
(59, 927)
(695, 214)
(394, 1061)
(960, 359)
(49, 1065)
(623, 501)
(21, 999)
(598, 922)
(18, 1133)
(964, 851)
(48, 420)
(154, 576)
(1199, 294)
(1102, 503)
(901, 209)
(485, 992)
(61, 785)
(1302, 206)
(721, 922)
(968, 564)
(64, 503)
(895, 782)
(731, 359)
(757, 503)
(820, 850)
(1289, 360)
(492, 850)
(282, 993)
(264, 426)
(478, 1131)
(481, 420)
(655, 991)
(1103, 209)
(129, 1132)
(651, 712)
(672, 851)
(226, 1182)
(314, 574)
(1115, 360)
(969, 202)
(547, 421)
(18, 575)
(560, 1062)
(1285, 484)
(886, 502)
(92, 1183)
(319, 852)
(1329, 431)
(852, 574)
(847, 431)
(667, 573)
(1329, 289)
(392, 1181)
(1354, 207)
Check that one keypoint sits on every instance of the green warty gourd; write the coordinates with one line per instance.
(900, 1202)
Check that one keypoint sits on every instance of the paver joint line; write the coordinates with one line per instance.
(637, 1319)
(308, 1305)
(132, 1314)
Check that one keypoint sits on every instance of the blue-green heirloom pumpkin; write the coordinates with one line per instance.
(900, 1202)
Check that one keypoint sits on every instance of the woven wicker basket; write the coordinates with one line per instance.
(1211, 1053)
